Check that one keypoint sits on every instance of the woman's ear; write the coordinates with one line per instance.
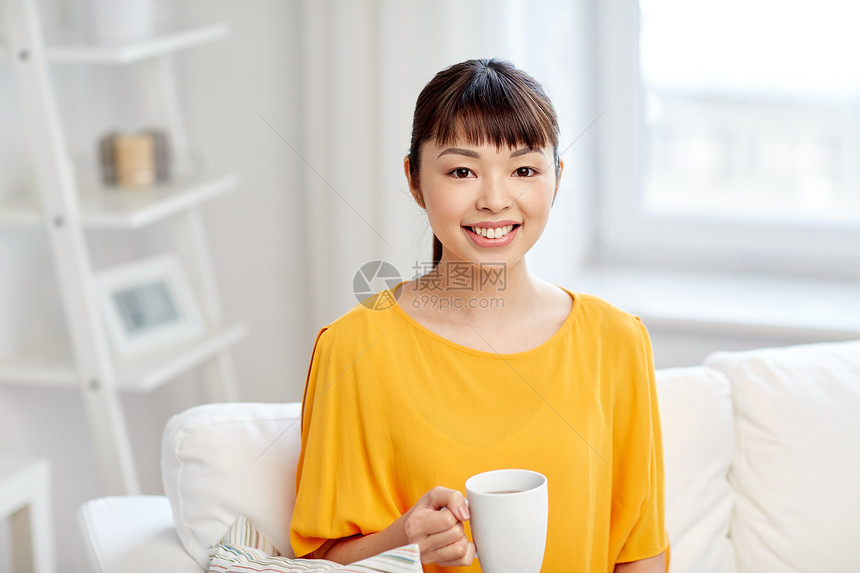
(413, 184)
(558, 172)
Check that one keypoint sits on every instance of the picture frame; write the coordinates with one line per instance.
(148, 305)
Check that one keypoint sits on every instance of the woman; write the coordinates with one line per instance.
(480, 365)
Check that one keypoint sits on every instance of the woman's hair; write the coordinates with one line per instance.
(479, 102)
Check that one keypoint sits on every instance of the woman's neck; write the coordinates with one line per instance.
(470, 288)
(494, 308)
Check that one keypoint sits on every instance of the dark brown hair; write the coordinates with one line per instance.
(480, 102)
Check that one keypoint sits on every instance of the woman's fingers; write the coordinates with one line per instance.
(458, 558)
(449, 547)
(435, 523)
(447, 537)
(452, 499)
(426, 521)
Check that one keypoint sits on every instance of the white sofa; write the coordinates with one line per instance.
(762, 452)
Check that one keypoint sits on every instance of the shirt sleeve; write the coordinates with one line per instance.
(338, 493)
(639, 501)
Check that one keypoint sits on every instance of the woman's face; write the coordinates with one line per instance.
(485, 205)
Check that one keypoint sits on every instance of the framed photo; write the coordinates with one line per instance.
(148, 305)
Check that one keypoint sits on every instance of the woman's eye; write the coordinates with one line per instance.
(525, 172)
(461, 173)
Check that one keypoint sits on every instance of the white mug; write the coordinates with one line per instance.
(509, 510)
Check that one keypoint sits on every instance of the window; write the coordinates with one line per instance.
(732, 132)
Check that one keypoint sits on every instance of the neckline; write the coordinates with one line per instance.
(571, 316)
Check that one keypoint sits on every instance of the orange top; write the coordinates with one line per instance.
(392, 410)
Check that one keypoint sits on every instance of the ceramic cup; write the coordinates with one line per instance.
(509, 511)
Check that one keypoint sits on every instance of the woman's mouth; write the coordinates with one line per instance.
(492, 233)
(492, 236)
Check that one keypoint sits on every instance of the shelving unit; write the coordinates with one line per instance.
(83, 359)
(102, 208)
(53, 365)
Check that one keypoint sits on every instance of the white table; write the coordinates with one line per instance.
(25, 498)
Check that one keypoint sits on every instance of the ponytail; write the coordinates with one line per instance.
(437, 251)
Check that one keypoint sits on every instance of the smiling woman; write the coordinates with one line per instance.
(403, 404)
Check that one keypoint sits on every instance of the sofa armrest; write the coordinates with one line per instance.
(131, 534)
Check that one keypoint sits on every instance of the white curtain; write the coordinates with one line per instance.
(363, 64)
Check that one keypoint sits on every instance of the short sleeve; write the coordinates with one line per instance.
(639, 496)
(338, 493)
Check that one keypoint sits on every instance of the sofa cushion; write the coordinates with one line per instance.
(129, 534)
(696, 415)
(797, 456)
(220, 461)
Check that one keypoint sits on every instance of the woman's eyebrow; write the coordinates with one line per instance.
(527, 150)
(476, 155)
(459, 151)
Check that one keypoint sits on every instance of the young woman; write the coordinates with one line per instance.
(481, 365)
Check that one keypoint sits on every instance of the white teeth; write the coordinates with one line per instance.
(493, 233)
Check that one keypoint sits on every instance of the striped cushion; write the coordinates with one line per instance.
(245, 549)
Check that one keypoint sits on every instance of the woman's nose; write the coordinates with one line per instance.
(494, 195)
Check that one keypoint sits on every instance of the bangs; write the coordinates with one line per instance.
(493, 106)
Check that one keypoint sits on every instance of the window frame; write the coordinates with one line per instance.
(626, 232)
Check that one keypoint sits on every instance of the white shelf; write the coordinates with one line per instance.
(75, 47)
(66, 46)
(115, 208)
(52, 364)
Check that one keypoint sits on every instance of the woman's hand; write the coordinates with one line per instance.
(435, 523)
